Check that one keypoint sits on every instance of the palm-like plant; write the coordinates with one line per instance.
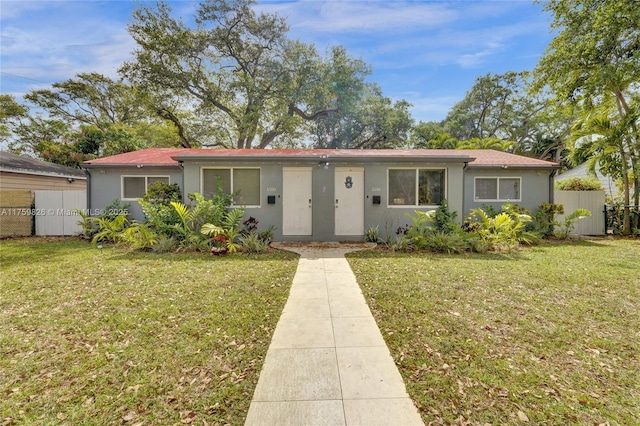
(110, 230)
(608, 138)
(229, 228)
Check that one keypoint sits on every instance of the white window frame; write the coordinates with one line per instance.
(231, 169)
(497, 178)
(417, 184)
(146, 184)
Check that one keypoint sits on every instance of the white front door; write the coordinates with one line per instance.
(349, 201)
(296, 200)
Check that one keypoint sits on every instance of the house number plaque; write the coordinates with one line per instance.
(348, 183)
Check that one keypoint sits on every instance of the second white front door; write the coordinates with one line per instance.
(349, 201)
(297, 212)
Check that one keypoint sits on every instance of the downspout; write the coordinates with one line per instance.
(464, 184)
(182, 192)
(551, 187)
(88, 191)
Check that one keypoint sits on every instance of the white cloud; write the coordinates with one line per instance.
(13, 9)
(56, 44)
(361, 16)
(429, 108)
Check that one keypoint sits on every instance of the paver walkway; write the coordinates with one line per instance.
(328, 363)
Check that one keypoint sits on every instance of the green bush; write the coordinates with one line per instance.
(579, 184)
(545, 218)
(139, 236)
(110, 230)
(506, 230)
(253, 243)
(162, 193)
(372, 235)
(443, 242)
(227, 231)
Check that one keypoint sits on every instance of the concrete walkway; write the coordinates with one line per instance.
(328, 363)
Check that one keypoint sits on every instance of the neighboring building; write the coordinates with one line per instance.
(23, 173)
(21, 178)
(328, 195)
(582, 172)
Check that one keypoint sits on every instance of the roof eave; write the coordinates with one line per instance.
(316, 157)
(514, 166)
(120, 165)
(43, 173)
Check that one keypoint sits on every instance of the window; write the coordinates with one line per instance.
(136, 186)
(416, 187)
(497, 189)
(243, 183)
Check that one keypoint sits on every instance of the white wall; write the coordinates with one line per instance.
(591, 200)
(55, 211)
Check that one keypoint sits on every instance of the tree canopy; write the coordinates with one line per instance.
(239, 69)
(594, 62)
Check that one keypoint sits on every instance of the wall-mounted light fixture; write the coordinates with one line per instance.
(71, 180)
(324, 164)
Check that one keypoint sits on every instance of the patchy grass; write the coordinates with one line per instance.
(547, 335)
(90, 336)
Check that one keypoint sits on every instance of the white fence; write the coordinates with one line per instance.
(55, 211)
(593, 201)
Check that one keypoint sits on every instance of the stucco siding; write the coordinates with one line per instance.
(106, 186)
(384, 216)
(535, 188)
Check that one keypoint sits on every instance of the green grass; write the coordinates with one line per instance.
(547, 335)
(104, 336)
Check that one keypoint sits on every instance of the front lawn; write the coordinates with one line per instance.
(104, 336)
(546, 335)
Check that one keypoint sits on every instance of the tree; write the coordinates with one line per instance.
(374, 122)
(605, 136)
(11, 116)
(499, 106)
(239, 68)
(90, 98)
(489, 108)
(596, 57)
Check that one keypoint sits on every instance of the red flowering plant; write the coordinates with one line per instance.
(219, 244)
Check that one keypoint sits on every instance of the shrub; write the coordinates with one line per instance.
(253, 240)
(139, 236)
(444, 219)
(504, 231)
(253, 243)
(162, 193)
(164, 244)
(372, 235)
(87, 224)
(443, 242)
(110, 230)
(229, 228)
(579, 184)
(545, 218)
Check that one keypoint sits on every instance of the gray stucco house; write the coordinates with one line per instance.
(328, 195)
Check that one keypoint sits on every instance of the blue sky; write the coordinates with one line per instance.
(427, 52)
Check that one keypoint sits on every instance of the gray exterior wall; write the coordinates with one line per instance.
(105, 185)
(536, 187)
(386, 218)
